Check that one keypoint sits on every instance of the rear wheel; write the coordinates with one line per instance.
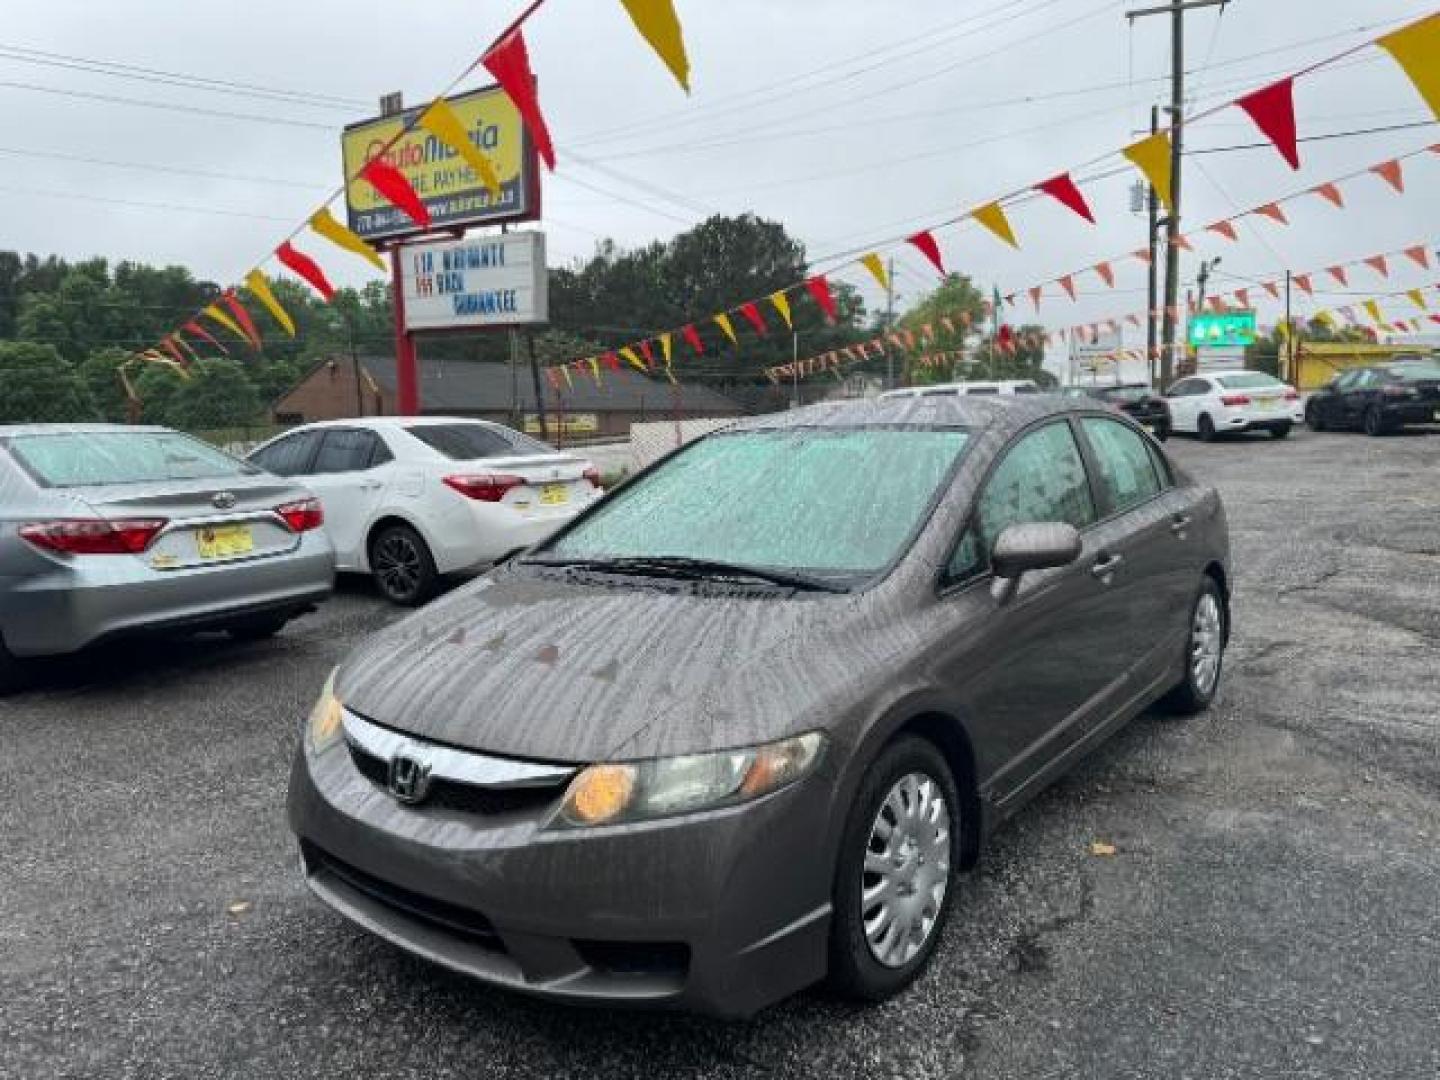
(258, 627)
(1280, 431)
(1206, 429)
(1204, 653)
(1314, 419)
(1162, 431)
(403, 567)
(892, 892)
(1374, 421)
(14, 676)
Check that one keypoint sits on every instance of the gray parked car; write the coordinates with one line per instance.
(739, 725)
(107, 531)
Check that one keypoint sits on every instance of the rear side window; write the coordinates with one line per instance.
(983, 390)
(350, 450)
(1027, 388)
(289, 456)
(470, 442)
(80, 459)
(1127, 471)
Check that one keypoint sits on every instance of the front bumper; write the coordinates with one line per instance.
(1412, 412)
(723, 912)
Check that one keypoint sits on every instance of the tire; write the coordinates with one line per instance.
(1313, 420)
(911, 767)
(258, 627)
(1280, 432)
(14, 675)
(1162, 431)
(1374, 422)
(1206, 429)
(403, 568)
(1208, 630)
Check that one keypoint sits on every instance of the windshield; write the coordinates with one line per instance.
(1413, 372)
(838, 502)
(1253, 380)
(470, 442)
(80, 459)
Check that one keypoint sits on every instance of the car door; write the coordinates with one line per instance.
(349, 476)
(1362, 389)
(1182, 400)
(1031, 672)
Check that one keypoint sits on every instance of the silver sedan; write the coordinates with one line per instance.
(108, 531)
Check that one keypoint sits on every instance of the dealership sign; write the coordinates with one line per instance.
(455, 196)
(497, 280)
(1228, 329)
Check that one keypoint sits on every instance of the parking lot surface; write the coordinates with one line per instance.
(1271, 908)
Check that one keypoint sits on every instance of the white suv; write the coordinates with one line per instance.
(1225, 401)
(408, 499)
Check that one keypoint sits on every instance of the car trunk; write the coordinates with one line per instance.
(553, 483)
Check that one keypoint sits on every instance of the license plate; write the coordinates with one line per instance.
(554, 494)
(1268, 404)
(224, 541)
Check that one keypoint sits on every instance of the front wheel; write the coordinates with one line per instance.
(892, 893)
(1204, 653)
(1374, 421)
(1281, 432)
(403, 567)
(1206, 429)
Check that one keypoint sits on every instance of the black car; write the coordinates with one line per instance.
(1377, 399)
(1135, 400)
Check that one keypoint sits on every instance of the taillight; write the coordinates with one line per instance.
(593, 475)
(1235, 399)
(302, 516)
(484, 487)
(1292, 395)
(86, 536)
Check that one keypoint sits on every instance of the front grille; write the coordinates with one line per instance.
(463, 798)
(635, 958)
(453, 918)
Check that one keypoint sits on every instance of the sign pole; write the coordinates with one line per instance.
(407, 382)
(535, 376)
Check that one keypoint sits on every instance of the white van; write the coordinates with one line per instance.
(1005, 386)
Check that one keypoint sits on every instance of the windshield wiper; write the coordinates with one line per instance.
(683, 566)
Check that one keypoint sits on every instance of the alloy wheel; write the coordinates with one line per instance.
(906, 869)
(397, 565)
(1206, 644)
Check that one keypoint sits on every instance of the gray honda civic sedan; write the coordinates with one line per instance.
(737, 728)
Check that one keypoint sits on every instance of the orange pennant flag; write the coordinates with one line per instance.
(723, 321)
(660, 26)
(1340, 275)
(1389, 171)
(1225, 229)
(872, 263)
(1183, 244)
(1273, 289)
(1107, 275)
(1035, 296)
(1273, 212)
(1416, 48)
(1152, 157)
(1068, 284)
(1419, 256)
(781, 303)
(1379, 265)
(1330, 192)
(992, 216)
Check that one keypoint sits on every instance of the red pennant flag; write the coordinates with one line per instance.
(1035, 296)
(1183, 244)
(692, 335)
(820, 289)
(1143, 255)
(1273, 110)
(1435, 318)
(925, 242)
(1216, 304)
(648, 353)
(241, 316)
(1389, 171)
(1273, 290)
(390, 182)
(1063, 189)
(1339, 274)
(1225, 229)
(1273, 211)
(1419, 256)
(200, 332)
(169, 346)
(1243, 296)
(1332, 193)
(1068, 284)
(1302, 281)
(611, 360)
(1106, 274)
(753, 316)
(509, 62)
(1379, 265)
(306, 267)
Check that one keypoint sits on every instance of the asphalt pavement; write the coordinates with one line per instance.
(1271, 908)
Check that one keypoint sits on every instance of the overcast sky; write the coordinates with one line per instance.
(851, 121)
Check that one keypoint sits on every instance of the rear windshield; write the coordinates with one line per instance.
(81, 459)
(469, 442)
(1251, 380)
(826, 502)
(1416, 372)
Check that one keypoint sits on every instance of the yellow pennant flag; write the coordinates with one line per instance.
(594, 369)
(260, 289)
(1374, 310)
(324, 223)
(1152, 157)
(660, 26)
(723, 321)
(632, 359)
(227, 322)
(1325, 318)
(565, 370)
(781, 303)
(665, 347)
(1418, 299)
(440, 120)
(1416, 48)
(877, 269)
(992, 216)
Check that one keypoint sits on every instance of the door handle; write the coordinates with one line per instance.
(1106, 565)
(370, 485)
(1179, 523)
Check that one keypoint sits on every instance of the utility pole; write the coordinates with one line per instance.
(1176, 9)
(889, 323)
(1207, 266)
(1152, 324)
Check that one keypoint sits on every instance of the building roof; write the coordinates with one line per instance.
(470, 386)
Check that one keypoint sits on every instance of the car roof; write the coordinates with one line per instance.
(1006, 413)
(392, 422)
(80, 429)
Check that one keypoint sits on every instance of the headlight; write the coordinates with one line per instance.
(615, 793)
(325, 718)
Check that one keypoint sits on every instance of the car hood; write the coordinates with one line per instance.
(548, 666)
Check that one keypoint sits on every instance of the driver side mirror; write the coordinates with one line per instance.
(1035, 546)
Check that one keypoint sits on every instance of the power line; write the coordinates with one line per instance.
(170, 207)
(176, 170)
(194, 110)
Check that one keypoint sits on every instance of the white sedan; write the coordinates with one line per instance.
(408, 499)
(1226, 401)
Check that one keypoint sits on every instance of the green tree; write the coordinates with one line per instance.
(40, 386)
(158, 386)
(218, 394)
(101, 374)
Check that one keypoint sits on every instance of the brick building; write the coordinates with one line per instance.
(489, 391)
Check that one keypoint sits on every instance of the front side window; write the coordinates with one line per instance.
(842, 502)
(80, 459)
(1041, 479)
(288, 456)
(1126, 470)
